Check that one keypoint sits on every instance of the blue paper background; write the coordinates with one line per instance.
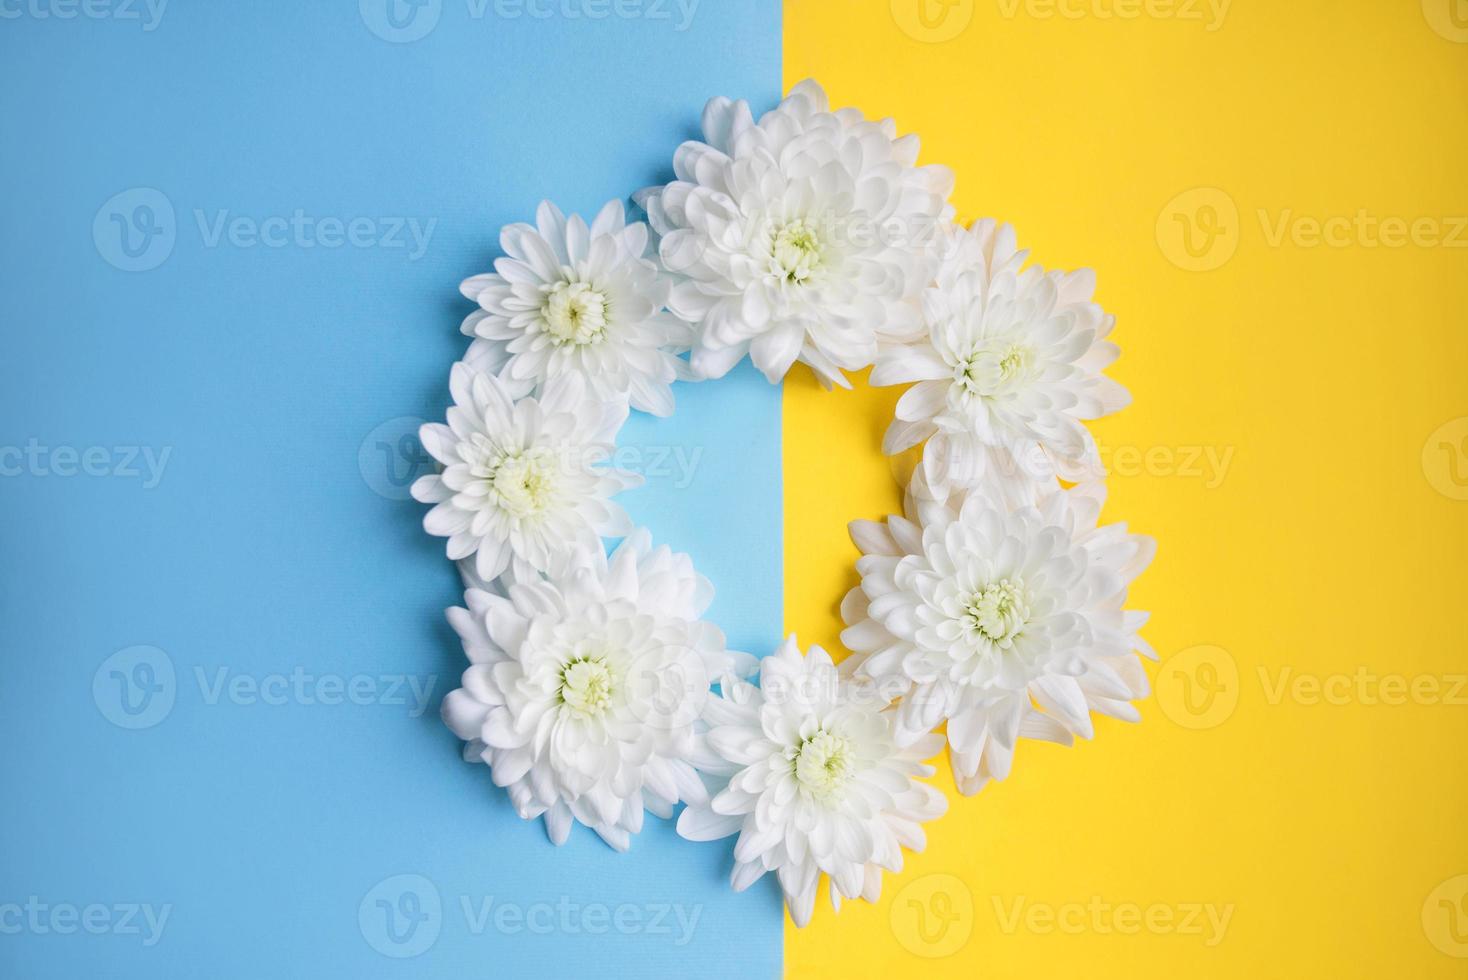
(277, 542)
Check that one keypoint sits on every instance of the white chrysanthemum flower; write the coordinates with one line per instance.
(1005, 622)
(568, 299)
(521, 486)
(584, 689)
(1010, 364)
(807, 236)
(816, 782)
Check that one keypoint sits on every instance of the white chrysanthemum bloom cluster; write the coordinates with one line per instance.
(1005, 621)
(817, 782)
(521, 485)
(807, 236)
(584, 689)
(588, 673)
(994, 606)
(1008, 367)
(570, 299)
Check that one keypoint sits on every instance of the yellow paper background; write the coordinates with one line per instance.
(1326, 534)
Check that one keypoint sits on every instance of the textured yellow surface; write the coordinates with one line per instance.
(1273, 196)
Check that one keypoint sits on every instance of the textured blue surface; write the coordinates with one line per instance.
(269, 559)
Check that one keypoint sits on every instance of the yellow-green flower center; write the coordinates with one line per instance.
(575, 314)
(796, 252)
(998, 612)
(523, 485)
(823, 764)
(586, 686)
(984, 371)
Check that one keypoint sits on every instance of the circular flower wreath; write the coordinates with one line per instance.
(595, 691)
